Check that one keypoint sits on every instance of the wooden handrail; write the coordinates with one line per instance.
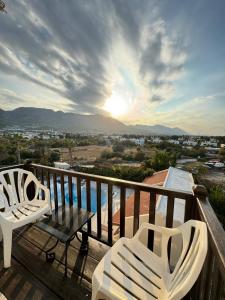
(120, 182)
(12, 167)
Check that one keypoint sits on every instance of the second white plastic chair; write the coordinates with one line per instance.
(131, 271)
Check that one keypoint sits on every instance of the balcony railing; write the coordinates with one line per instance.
(210, 284)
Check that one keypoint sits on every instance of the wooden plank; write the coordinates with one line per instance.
(220, 288)
(96, 251)
(70, 190)
(136, 210)
(42, 182)
(79, 264)
(152, 206)
(206, 288)
(122, 211)
(99, 212)
(110, 212)
(169, 212)
(48, 180)
(78, 192)
(201, 292)
(188, 213)
(51, 275)
(55, 191)
(88, 199)
(215, 282)
(18, 283)
(169, 218)
(62, 190)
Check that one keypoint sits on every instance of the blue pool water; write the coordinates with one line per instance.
(104, 194)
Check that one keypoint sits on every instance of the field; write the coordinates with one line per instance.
(83, 153)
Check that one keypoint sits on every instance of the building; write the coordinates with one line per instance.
(156, 140)
(61, 165)
(138, 142)
(190, 143)
(210, 143)
(174, 142)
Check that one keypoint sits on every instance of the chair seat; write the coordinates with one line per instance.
(25, 211)
(127, 275)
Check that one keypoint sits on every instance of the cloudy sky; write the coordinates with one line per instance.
(143, 61)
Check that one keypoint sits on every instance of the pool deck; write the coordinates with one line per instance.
(31, 277)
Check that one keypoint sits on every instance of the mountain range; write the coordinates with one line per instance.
(27, 117)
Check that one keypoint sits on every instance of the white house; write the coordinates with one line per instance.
(175, 142)
(139, 142)
(156, 140)
(190, 143)
(62, 165)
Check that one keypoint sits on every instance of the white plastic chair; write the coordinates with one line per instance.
(2, 297)
(130, 270)
(18, 209)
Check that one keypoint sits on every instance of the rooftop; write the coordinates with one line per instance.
(157, 178)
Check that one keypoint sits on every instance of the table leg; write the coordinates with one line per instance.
(50, 256)
(66, 254)
(84, 243)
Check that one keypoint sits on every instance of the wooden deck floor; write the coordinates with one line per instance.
(31, 277)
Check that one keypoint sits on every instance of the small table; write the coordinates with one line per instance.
(64, 224)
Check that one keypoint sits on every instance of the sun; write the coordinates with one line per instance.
(116, 105)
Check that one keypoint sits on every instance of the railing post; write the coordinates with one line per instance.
(200, 192)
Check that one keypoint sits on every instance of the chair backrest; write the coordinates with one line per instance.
(13, 187)
(189, 265)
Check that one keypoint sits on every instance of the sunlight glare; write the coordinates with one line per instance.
(116, 105)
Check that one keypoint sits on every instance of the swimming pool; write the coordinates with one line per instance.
(104, 193)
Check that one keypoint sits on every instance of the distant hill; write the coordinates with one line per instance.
(159, 130)
(26, 117)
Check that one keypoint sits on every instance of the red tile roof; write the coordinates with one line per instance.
(157, 178)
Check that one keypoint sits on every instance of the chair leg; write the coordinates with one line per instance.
(7, 246)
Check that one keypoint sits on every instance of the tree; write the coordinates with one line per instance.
(217, 199)
(139, 156)
(162, 160)
(118, 148)
(222, 153)
(54, 156)
(106, 154)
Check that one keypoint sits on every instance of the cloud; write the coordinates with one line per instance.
(200, 115)
(77, 50)
(11, 100)
(162, 61)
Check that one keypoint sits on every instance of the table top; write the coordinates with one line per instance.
(65, 222)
